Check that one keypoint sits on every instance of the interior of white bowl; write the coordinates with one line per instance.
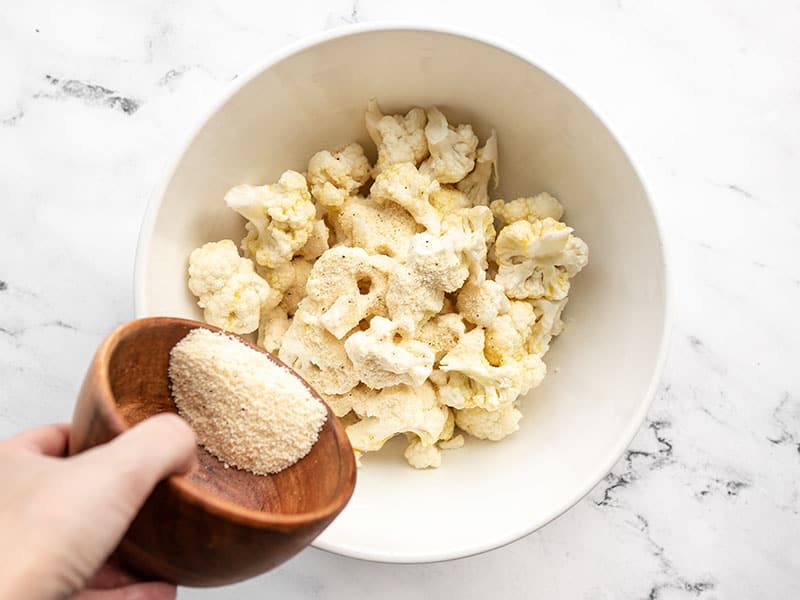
(601, 370)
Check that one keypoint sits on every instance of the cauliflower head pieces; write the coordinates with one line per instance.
(335, 176)
(398, 138)
(398, 409)
(227, 287)
(347, 285)
(453, 149)
(280, 218)
(382, 358)
(489, 425)
(476, 184)
(536, 259)
(407, 187)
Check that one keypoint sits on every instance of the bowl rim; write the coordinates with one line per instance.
(306, 42)
(192, 492)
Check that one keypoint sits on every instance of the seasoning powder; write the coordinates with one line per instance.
(245, 410)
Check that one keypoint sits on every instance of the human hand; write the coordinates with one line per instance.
(60, 518)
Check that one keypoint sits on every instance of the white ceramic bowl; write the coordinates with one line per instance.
(602, 370)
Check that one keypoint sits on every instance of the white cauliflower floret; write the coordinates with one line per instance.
(212, 265)
(447, 200)
(416, 290)
(452, 149)
(523, 240)
(280, 218)
(274, 324)
(398, 138)
(382, 361)
(548, 324)
(574, 257)
(442, 333)
(348, 285)
(502, 382)
(228, 289)
(342, 404)
(529, 280)
(458, 391)
(335, 176)
(280, 278)
(536, 259)
(403, 184)
(505, 340)
(467, 378)
(455, 442)
(476, 184)
(363, 223)
(289, 279)
(472, 231)
(340, 220)
(398, 409)
(489, 425)
(533, 208)
(522, 315)
(422, 456)
(340, 409)
(449, 426)
(317, 355)
(409, 302)
(436, 262)
(317, 241)
(481, 303)
(295, 293)
(532, 371)
(507, 344)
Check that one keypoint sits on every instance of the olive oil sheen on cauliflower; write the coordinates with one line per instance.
(407, 297)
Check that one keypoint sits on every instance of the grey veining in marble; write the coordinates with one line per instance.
(705, 504)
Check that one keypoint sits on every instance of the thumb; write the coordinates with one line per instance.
(159, 446)
(145, 454)
(105, 486)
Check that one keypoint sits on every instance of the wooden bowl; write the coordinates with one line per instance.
(215, 525)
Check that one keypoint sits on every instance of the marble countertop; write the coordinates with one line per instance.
(706, 502)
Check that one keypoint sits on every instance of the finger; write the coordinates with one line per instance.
(152, 450)
(137, 591)
(50, 439)
(116, 478)
(110, 576)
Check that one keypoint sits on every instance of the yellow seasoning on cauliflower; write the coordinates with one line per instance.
(246, 410)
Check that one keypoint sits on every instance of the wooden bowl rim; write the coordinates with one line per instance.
(193, 493)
